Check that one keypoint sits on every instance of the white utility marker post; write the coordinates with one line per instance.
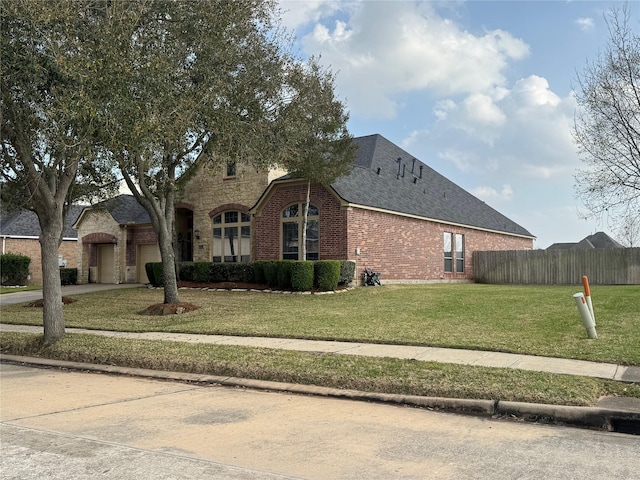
(587, 320)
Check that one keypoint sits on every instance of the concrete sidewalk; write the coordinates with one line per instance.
(609, 371)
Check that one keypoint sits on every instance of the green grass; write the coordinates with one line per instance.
(522, 319)
(338, 371)
(19, 289)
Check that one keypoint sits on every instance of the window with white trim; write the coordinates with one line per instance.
(232, 237)
(292, 219)
(453, 258)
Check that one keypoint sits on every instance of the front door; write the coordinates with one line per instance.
(106, 264)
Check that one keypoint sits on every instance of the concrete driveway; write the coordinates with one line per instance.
(32, 295)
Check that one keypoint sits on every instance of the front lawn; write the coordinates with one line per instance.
(523, 319)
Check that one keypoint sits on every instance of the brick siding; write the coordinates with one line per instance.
(400, 248)
(30, 247)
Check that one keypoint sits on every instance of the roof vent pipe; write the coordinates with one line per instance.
(378, 171)
(420, 171)
(403, 166)
(413, 165)
(399, 160)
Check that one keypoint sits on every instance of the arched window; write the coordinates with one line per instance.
(232, 237)
(292, 218)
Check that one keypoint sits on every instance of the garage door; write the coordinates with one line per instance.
(146, 254)
(105, 264)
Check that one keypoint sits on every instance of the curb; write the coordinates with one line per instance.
(611, 420)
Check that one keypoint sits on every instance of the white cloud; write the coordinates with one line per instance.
(296, 13)
(488, 193)
(585, 23)
(384, 49)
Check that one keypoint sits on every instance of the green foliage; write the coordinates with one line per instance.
(155, 273)
(203, 272)
(231, 272)
(284, 274)
(347, 272)
(186, 270)
(271, 272)
(258, 272)
(327, 274)
(14, 268)
(302, 276)
(68, 276)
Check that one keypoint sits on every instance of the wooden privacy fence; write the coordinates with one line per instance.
(607, 266)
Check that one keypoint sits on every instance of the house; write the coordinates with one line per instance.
(116, 240)
(392, 213)
(597, 240)
(20, 233)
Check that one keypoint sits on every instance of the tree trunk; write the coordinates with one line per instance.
(305, 216)
(168, 265)
(52, 315)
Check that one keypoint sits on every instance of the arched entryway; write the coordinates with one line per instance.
(184, 233)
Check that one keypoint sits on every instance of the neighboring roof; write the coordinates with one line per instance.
(123, 208)
(597, 240)
(24, 223)
(387, 177)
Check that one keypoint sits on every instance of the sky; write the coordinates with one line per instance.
(481, 91)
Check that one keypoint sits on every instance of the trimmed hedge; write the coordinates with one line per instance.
(258, 272)
(281, 274)
(284, 274)
(154, 273)
(202, 272)
(327, 274)
(14, 269)
(68, 276)
(347, 272)
(271, 273)
(302, 276)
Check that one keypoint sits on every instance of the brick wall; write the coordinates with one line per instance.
(400, 248)
(332, 222)
(31, 248)
(404, 248)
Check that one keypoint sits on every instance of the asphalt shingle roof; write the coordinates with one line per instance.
(411, 187)
(124, 209)
(24, 223)
(597, 240)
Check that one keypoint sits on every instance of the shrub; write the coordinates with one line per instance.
(203, 272)
(154, 273)
(271, 272)
(258, 272)
(186, 271)
(301, 275)
(231, 272)
(68, 276)
(347, 272)
(14, 269)
(284, 274)
(327, 274)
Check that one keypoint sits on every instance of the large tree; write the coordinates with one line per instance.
(607, 126)
(47, 149)
(207, 81)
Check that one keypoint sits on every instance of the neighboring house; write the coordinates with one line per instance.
(20, 233)
(597, 240)
(392, 213)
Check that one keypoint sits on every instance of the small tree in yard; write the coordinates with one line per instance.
(48, 144)
(206, 81)
(320, 148)
(607, 127)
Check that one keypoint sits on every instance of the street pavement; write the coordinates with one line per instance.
(70, 425)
